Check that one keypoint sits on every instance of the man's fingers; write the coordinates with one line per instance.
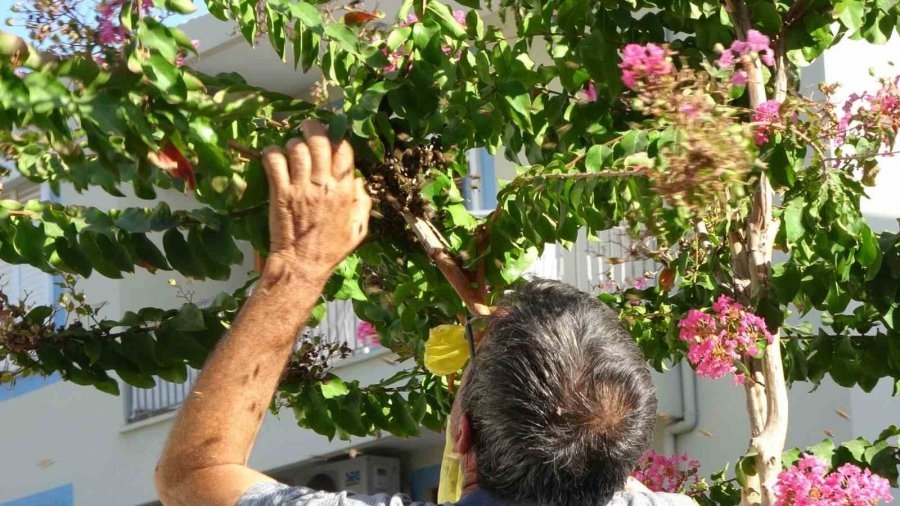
(342, 161)
(276, 167)
(300, 161)
(320, 151)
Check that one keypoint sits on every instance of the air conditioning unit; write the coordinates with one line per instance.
(366, 475)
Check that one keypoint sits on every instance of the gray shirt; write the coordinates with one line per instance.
(277, 494)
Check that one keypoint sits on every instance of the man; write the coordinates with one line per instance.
(555, 409)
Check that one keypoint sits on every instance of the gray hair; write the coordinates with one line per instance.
(560, 399)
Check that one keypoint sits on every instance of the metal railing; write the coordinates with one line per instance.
(166, 396)
(339, 325)
(593, 263)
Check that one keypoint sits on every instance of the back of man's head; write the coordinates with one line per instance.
(560, 399)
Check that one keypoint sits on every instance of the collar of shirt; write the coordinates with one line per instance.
(482, 498)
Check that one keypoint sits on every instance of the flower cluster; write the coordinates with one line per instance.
(366, 336)
(766, 114)
(718, 340)
(711, 154)
(756, 46)
(109, 31)
(872, 112)
(674, 474)
(808, 483)
(643, 64)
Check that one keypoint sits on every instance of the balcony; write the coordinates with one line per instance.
(339, 326)
(607, 262)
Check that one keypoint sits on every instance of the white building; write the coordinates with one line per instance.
(66, 445)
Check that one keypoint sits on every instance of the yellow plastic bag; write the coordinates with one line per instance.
(446, 350)
(451, 484)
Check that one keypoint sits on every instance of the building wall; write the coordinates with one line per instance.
(68, 440)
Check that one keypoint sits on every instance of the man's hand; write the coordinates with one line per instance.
(318, 213)
(308, 190)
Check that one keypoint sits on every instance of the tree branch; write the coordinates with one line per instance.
(437, 250)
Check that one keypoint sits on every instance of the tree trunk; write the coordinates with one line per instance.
(767, 400)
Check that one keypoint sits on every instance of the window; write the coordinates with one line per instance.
(24, 281)
(479, 188)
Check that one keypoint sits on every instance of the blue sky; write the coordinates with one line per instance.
(6, 5)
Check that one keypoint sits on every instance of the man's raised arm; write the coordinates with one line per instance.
(318, 213)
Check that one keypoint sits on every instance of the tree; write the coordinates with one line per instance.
(700, 146)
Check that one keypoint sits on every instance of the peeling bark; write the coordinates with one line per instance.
(751, 246)
(437, 250)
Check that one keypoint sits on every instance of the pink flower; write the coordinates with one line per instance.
(872, 112)
(179, 60)
(460, 17)
(639, 283)
(673, 474)
(766, 113)
(645, 62)
(410, 19)
(395, 59)
(716, 342)
(366, 335)
(756, 44)
(726, 60)
(587, 95)
(109, 33)
(809, 483)
(739, 78)
(689, 110)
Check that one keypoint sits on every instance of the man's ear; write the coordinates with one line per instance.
(463, 437)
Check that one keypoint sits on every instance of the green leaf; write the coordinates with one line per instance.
(136, 379)
(402, 422)
(220, 246)
(146, 251)
(134, 220)
(99, 258)
(29, 242)
(765, 16)
(307, 14)
(73, 257)
(793, 220)
(398, 37)
(38, 314)
(332, 387)
(348, 415)
(868, 247)
(180, 6)
(180, 255)
(449, 25)
(371, 98)
(313, 411)
(598, 158)
(823, 450)
(851, 13)
(521, 104)
(189, 319)
(423, 33)
(344, 36)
